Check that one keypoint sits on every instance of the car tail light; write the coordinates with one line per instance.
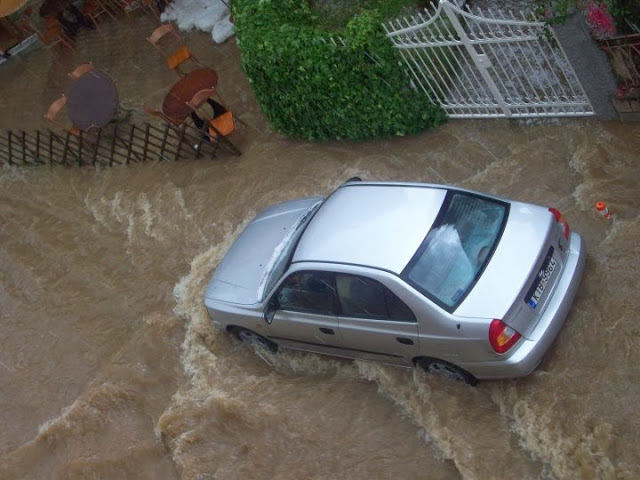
(562, 221)
(501, 336)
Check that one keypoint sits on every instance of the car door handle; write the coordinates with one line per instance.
(328, 331)
(404, 341)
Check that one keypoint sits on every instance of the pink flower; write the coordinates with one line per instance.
(599, 19)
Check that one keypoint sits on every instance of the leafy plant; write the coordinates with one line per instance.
(555, 12)
(312, 85)
(335, 14)
(622, 9)
(605, 17)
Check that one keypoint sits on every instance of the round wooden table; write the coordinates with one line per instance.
(92, 100)
(175, 103)
(7, 7)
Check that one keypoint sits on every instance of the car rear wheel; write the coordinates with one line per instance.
(446, 370)
(252, 338)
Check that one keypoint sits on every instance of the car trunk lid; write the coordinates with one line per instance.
(522, 272)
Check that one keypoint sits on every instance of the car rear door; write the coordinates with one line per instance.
(374, 323)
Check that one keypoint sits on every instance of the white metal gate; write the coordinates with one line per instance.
(481, 65)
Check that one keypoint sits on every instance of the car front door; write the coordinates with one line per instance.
(305, 313)
(374, 323)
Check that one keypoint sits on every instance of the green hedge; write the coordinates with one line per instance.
(311, 87)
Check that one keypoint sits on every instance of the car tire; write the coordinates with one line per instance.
(250, 337)
(446, 370)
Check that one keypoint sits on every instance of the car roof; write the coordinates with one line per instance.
(379, 225)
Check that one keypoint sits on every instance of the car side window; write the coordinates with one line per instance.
(364, 297)
(311, 292)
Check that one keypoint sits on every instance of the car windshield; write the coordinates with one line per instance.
(284, 252)
(455, 251)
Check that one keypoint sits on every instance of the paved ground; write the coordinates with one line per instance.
(31, 80)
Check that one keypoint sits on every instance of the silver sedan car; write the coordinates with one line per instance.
(466, 285)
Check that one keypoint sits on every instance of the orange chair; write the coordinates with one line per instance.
(219, 126)
(81, 70)
(169, 43)
(94, 9)
(224, 125)
(51, 34)
(199, 99)
(222, 122)
(53, 118)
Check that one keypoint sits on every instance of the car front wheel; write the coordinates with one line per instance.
(252, 338)
(446, 370)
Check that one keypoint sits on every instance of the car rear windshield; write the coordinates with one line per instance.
(457, 248)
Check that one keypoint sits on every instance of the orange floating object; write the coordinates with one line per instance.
(602, 209)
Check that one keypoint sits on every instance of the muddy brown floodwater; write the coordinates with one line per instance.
(110, 368)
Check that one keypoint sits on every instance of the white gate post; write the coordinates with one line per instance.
(480, 59)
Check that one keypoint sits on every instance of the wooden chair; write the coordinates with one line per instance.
(81, 70)
(129, 6)
(169, 43)
(50, 35)
(52, 116)
(199, 99)
(149, 6)
(224, 125)
(94, 9)
(220, 124)
(53, 34)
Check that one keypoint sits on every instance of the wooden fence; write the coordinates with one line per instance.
(117, 145)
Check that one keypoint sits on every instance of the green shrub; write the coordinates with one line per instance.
(335, 14)
(314, 87)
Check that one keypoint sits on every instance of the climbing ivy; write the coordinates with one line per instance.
(311, 85)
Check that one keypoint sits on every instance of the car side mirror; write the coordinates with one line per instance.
(271, 309)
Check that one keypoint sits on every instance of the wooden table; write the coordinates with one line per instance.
(175, 103)
(51, 8)
(92, 100)
(7, 7)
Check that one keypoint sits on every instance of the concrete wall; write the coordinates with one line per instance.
(590, 64)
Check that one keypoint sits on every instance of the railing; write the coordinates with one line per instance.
(486, 64)
(120, 145)
(624, 56)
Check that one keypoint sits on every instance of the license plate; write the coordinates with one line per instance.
(543, 276)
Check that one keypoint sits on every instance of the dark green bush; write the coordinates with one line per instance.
(310, 86)
(335, 14)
